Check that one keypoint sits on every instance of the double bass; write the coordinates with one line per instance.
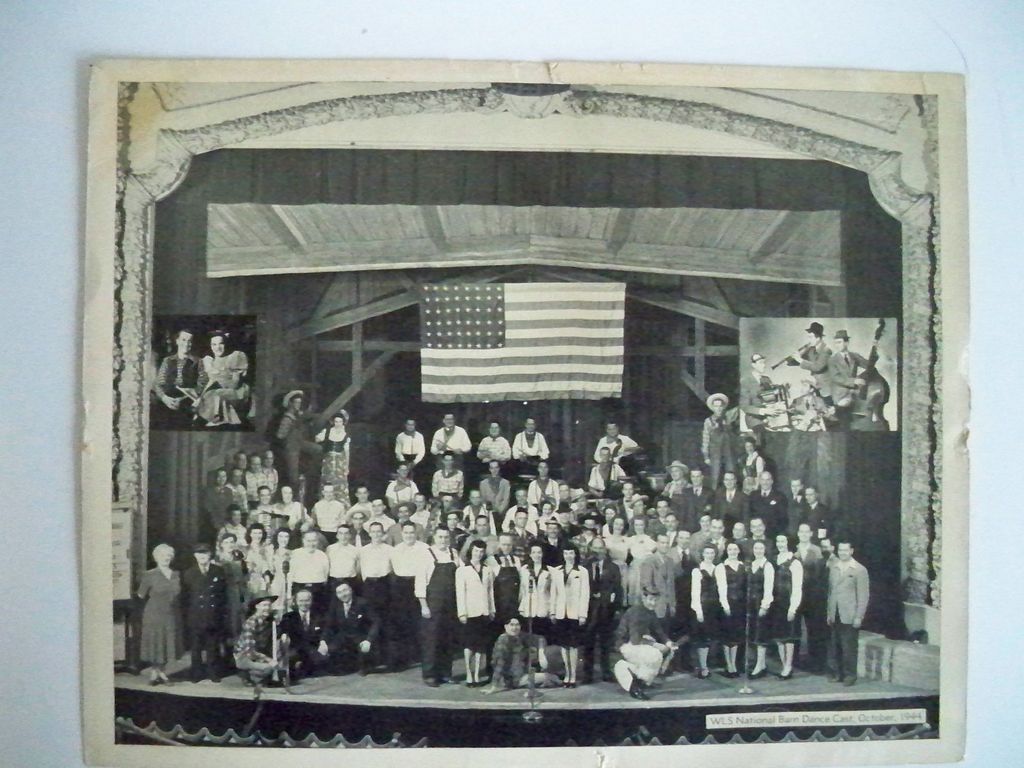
(871, 397)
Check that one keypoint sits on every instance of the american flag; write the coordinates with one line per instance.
(522, 341)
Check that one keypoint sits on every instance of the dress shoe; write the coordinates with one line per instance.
(835, 679)
(703, 674)
(850, 681)
(608, 677)
(637, 692)
(759, 675)
(787, 676)
(432, 683)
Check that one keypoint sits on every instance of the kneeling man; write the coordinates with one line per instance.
(645, 648)
(512, 659)
(351, 632)
(303, 631)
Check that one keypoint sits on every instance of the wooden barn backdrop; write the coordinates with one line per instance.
(707, 240)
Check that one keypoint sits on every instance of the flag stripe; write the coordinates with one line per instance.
(593, 329)
(607, 316)
(524, 379)
(564, 304)
(516, 291)
(555, 348)
(609, 389)
(457, 370)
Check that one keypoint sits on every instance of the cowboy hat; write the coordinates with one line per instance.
(718, 396)
(294, 393)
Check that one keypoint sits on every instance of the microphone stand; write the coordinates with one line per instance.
(533, 716)
(745, 688)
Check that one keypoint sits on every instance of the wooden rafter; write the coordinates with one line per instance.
(355, 387)
(329, 346)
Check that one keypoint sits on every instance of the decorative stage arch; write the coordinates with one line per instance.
(138, 190)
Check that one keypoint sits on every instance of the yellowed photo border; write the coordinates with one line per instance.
(98, 398)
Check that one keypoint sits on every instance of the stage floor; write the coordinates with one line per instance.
(406, 689)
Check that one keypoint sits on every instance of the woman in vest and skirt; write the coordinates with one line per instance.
(731, 577)
(535, 594)
(706, 608)
(474, 601)
(789, 587)
(761, 585)
(570, 601)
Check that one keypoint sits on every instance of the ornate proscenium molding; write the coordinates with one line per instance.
(138, 189)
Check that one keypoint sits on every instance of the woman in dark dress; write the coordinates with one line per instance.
(731, 577)
(761, 586)
(789, 588)
(160, 587)
(706, 608)
(335, 465)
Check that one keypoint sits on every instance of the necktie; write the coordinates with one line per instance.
(305, 620)
(846, 359)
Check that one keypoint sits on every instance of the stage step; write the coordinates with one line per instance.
(898, 661)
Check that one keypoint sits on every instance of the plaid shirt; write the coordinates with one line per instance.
(447, 485)
(256, 641)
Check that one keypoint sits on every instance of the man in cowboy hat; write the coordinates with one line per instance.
(675, 488)
(717, 439)
(814, 357)
(254, 649)
(752, 406)
(844, 370)
(291, 436)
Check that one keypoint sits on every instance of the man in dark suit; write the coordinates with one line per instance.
(816, 514)
(699, 501)
(848, 588)
(815, 597)
(730, 504)
(204, 597)
(351, 632)
(606, 598)
(770, 505)
(304, 630)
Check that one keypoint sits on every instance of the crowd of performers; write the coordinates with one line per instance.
(631, 584)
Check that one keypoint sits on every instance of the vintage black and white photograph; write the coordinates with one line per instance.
(202, 368)
(590, 416)
(819, 374)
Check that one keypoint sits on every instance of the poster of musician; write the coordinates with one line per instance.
(825, 374)
(202, 368)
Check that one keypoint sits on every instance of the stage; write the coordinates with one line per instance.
(398, 706)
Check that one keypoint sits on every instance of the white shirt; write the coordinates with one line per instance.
(540, 488)
(537, 604)
(329, 514)
(494, 449)
(374, 560)
(628, 444)
(342, 559)
(510, 517)
(396, 494)
(596, 481)
(521, 448)
(410, 444)
(457, 441)
(309, 567)
(406, 559)
(295, 511)
(474, 591)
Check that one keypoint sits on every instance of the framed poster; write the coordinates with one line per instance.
(443, 411)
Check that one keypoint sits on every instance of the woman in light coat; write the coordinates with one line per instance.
(570, 601)
(474, 602)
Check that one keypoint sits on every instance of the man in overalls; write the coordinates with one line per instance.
(435, 589)
(506, 567)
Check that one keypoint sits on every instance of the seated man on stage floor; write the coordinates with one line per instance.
(351, 633)
(645, 649)
(254, 649)
(513, 660)
(302, 633)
